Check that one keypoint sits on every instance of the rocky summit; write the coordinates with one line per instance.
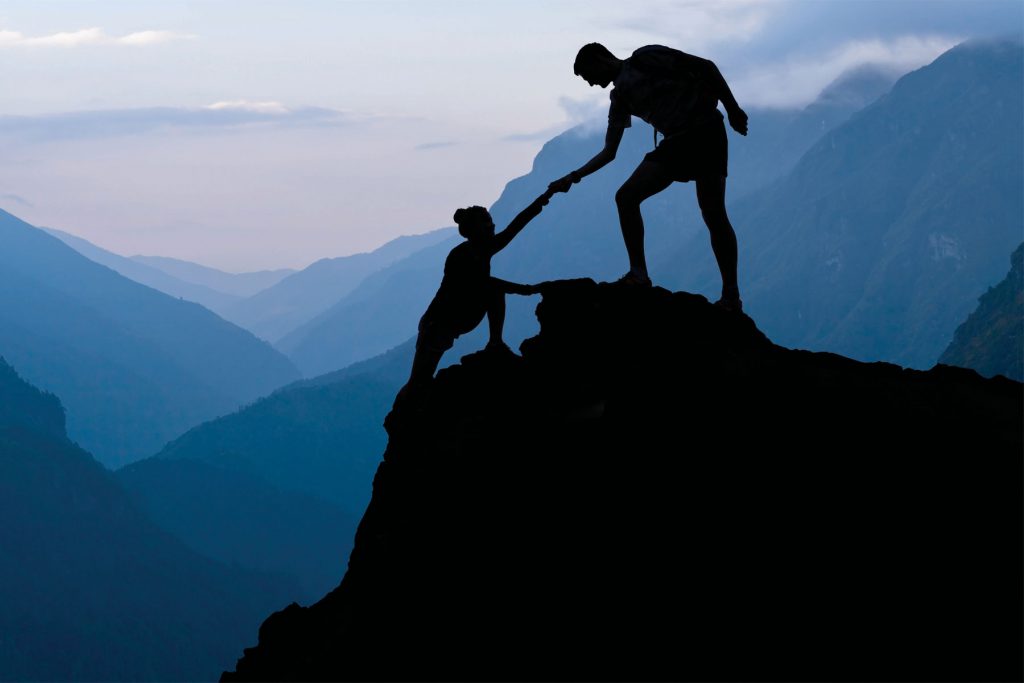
(656, 491)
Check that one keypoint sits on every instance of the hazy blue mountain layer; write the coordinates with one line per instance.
(320, 438)
(577, 235)
(147, 275)
(276, 311)
(881, 240)
(91, 588)
(236, 284)
(281, 484)
(991, 340)
(133, 366)
(23, 405)
(779, 137)
(245, 521)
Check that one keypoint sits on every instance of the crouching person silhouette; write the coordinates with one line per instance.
(468, 292)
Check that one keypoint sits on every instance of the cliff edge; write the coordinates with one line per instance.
(655, 491)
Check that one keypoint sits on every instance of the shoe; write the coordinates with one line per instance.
(731, 305)
(499, 347)
(633, 280)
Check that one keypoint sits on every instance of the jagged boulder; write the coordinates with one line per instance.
(656, 491)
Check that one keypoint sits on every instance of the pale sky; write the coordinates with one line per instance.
(245, 134)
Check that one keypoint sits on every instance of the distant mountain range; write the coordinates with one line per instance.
(269, 303)
(281, 484)
(577, 234)
(318, 437)
(239, 285)
(144, 274)
(91, 588)
(880, 241)
(274, 312)
(214, 289)
(244, 520)
(850, 237)
(134, 366)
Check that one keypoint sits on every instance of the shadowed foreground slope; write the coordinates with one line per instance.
(656, 491)
(991, 340)
(90, 588)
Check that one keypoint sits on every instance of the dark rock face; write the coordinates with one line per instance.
(656, 491)
(991, 340)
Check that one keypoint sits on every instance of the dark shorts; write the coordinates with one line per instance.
(438, 335)
(697, 152)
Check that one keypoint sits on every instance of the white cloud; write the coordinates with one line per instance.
(246, 105)
(152, 37)
(225, 115)
(585, 114)
(698, 24)
(89, 36)
(798, 81)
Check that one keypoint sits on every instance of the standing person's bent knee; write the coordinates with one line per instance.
(625, 197)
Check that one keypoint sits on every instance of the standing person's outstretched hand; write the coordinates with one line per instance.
(738, 120)
(564, 183)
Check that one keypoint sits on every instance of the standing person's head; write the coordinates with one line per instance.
(596, 64)
(474, 223)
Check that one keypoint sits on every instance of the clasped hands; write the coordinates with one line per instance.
(564, 183)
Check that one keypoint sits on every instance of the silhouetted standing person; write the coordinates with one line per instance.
(678, 94)
(468, 292)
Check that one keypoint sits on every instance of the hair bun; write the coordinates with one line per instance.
(460, 216)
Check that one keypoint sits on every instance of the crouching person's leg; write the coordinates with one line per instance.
(496, 316)
(431, 343)
(424, 363)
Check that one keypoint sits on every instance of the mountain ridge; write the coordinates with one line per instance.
(133, 366)
(279, 310)
(879, 242)
(145, 274)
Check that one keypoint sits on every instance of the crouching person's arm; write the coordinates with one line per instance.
(514, 287)
(502, 239)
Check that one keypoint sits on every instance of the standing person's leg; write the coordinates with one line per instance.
(495, 316)
(647, 180)
(711, 198)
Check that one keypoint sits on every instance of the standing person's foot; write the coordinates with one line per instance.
(633, 280)
(731, 304)
(499, 347)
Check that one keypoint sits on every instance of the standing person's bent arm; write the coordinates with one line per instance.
(612, 138)
(737, 117)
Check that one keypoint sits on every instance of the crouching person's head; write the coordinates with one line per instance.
(474, 223)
